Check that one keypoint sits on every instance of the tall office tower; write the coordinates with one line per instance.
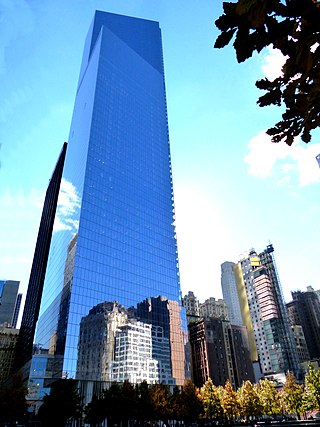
(273, 336)
(230, 292)
(214, 308)
(304, 310)
(10, 302)
(116, 243)
(219, 351)
(39, 264)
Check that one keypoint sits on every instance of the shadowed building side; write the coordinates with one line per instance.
(39, 265)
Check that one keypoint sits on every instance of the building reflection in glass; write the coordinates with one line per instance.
(143, 343)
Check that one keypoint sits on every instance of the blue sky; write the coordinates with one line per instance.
(234, 190)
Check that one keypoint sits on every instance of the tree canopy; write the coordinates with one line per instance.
(13, 405)
(293, 27)
(64, 396)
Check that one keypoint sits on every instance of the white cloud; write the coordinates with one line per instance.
(297, 162)
(273, 63)
(67, 208)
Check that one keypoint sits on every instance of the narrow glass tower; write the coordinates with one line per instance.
(111, 307)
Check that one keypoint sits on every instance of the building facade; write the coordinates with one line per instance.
(10, 302)
(214, 308)
(8, 343)
(115, 245)
(192, 305)
(219, 351)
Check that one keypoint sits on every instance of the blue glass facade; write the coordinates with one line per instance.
(113, 253)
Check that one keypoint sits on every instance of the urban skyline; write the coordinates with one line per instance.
(217, 166)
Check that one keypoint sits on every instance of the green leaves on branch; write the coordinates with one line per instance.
(293, 27)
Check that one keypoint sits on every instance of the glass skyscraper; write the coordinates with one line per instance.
(111, 307)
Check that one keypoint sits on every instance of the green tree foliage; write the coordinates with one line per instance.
(269, 398)
(112, 403)
(229, 401)
(94, 412)
(249, 401)
(293, 27)
(312, 388)
(292, 396)
(144, 404)
(13, 405)
(211, 400)
(61, 404)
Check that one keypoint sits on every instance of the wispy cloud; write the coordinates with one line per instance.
(290, 165)
(67, 208)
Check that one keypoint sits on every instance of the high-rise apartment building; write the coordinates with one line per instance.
(269, 318)
(304, 310)
(10, 302)
(112, 278)
(230, 292)
(263, 311)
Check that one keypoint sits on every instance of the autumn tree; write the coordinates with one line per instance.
(229, 401)
(269, 397)
(292, 396)
(188, 403)
(293, 27)
(211, 400)
(312, 388)
(160, 401)
(249, 401)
